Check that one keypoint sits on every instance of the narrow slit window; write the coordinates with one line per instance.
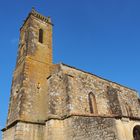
(92, 103)
(40, 35)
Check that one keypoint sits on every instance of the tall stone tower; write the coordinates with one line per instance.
(28, 101)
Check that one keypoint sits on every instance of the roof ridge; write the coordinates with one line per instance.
(98, 77)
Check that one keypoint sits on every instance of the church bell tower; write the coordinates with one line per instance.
(28, 100)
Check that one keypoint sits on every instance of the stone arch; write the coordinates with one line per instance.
(136, 132)
(92, 103)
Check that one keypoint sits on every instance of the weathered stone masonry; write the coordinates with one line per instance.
(59, 102)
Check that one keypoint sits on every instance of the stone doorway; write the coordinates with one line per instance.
(136, 132)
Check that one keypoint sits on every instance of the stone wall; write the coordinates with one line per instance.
(24, 131)
(17, 91)
(71, 88)
(58, 96)
(90, 128)
(81, 128)
(28, 101)
(113, 101)
(125, 128)
(38, 64)
(9, 134)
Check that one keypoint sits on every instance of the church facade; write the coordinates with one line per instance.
(59, 102)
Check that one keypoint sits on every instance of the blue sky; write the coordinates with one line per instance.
(98, 36)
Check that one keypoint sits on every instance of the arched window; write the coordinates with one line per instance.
(40, 36)
(92, 103)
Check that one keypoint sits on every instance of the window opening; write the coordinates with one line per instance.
(92, 103)
(40, 35)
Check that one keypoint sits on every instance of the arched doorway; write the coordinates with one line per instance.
(136, 132)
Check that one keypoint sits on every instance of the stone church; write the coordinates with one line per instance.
(60, 102)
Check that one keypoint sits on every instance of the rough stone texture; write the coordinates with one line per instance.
(82, 128)
(34, 62)
(59, 102)
(25, 131)
(88, 128)
(69, 90)
(113, 101)
(59, 96)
